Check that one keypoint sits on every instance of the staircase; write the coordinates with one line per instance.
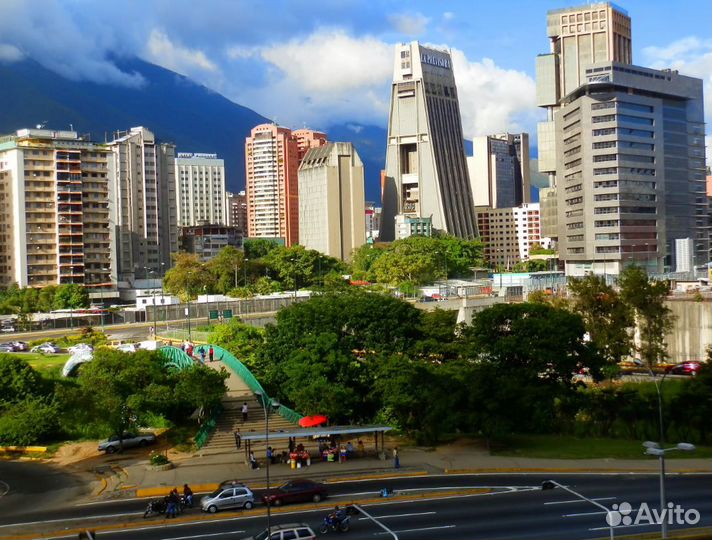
(222, 440)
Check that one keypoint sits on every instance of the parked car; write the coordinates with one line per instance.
(8, 329)
(238, 496)
(302, 531)
(80, 348)
(686, 368)
(297, 490)
(130, 440)
(47, 348)
(7, 348)
(20, 346)
(127, 347)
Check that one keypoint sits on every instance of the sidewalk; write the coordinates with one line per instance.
(446, 459)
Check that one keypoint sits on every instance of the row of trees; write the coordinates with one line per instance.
(16, 300)
(113, 393)
(364, 357)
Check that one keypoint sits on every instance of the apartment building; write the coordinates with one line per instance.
(236, 210)
(144, 207)
(54, 210)
(206, 241)
(509, 233)
(200, 189)
(308, 139)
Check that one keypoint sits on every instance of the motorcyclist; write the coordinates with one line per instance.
(337, 516)
(188, 495)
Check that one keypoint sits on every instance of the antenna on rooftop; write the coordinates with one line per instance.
(42, 125)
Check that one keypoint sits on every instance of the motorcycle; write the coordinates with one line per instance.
(156, 507)
(331, 523)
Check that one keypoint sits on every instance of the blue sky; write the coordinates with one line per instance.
(319, 63)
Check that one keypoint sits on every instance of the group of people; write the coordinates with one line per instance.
(188, 348)
(173, 500)
(342, 452)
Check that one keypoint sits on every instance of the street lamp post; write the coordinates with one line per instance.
(273, 404)
(163, 298)
(551, 484)
(244, 269)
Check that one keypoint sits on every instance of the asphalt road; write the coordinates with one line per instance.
(521, 510)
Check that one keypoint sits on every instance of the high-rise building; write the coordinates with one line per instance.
(630, 169)
(579, 36)
(200, 189)
(331, 200)
(237, 210)
(509, 233)
(499, 170)
(206, 241)
(54, 210)
(271, 163)
(308, 139)
(144, 209)
(373, 221)
(426, 172)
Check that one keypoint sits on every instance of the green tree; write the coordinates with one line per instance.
(415, 259)
(71, 296)
(607, 318)
(188, 278)
(122, 388)
(531, 265)
(29, 421)
(200, 387)
(653, 319)
(297, 267)
(363, 258)
(462, 255)
(265, 285)
(228, 269)
(438, 339)
(241, 339)
(18, 380)
(257, 248)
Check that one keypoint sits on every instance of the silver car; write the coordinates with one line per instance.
(228, 497)
(128, 440)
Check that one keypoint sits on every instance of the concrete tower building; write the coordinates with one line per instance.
(200, 189)
(144, 209)
(579, 37)
(630, 169)
(332, 218)
(271, 164)
(237, 210)
(54, 210)
(499, 170)
(426, 172)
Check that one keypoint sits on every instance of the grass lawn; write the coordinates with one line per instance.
(49, 365)
(556, 447)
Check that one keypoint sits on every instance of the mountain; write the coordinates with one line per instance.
(174, 107)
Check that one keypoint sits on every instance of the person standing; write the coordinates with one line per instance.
(253, 461)
(396, 459)
(211, 354)
(188, 495)
(245, 411)
(202, 356)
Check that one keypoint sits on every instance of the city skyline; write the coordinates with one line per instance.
(281, 74)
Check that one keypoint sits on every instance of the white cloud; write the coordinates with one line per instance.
(162, 51)
(493, 99)
(448, 16)
(10, 53)
(691, 56)
(410, 24)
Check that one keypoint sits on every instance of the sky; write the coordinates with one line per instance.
(318, 63)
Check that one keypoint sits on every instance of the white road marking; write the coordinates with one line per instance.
(580, 500)
(72, 519)
(4, 488)
(203, 535)
(625, 526)
(403, 515)
(381, 525)
(416, 530)
(598, 513)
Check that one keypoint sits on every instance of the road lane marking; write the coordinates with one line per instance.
(591, 513)
(71, 519)
(417, 530)
(403, 515)
(581, 501)
(381, 525)
(4, 488)
(203, 535)
(625, 526)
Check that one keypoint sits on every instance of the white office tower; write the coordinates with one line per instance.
(426, 172)
(200, 190)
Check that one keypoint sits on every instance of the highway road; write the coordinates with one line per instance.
(517, 508)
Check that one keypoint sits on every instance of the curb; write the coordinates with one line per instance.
(206, 488)
(697, 533)
(275, 510)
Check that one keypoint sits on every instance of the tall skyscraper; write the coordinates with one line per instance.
(308, 139)
(271, 163)
(54, 210)
(426, 172)
(631, 169)
(499, 170)
(144, 209)
(579, 37)
(237, 211)
(332, 217)
(200, 189)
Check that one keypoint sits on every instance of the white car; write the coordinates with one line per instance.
(46, 348)
(80, 348)
(127, 347)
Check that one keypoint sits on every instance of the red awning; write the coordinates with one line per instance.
(313, 421)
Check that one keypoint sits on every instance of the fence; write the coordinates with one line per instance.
(203, 434)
